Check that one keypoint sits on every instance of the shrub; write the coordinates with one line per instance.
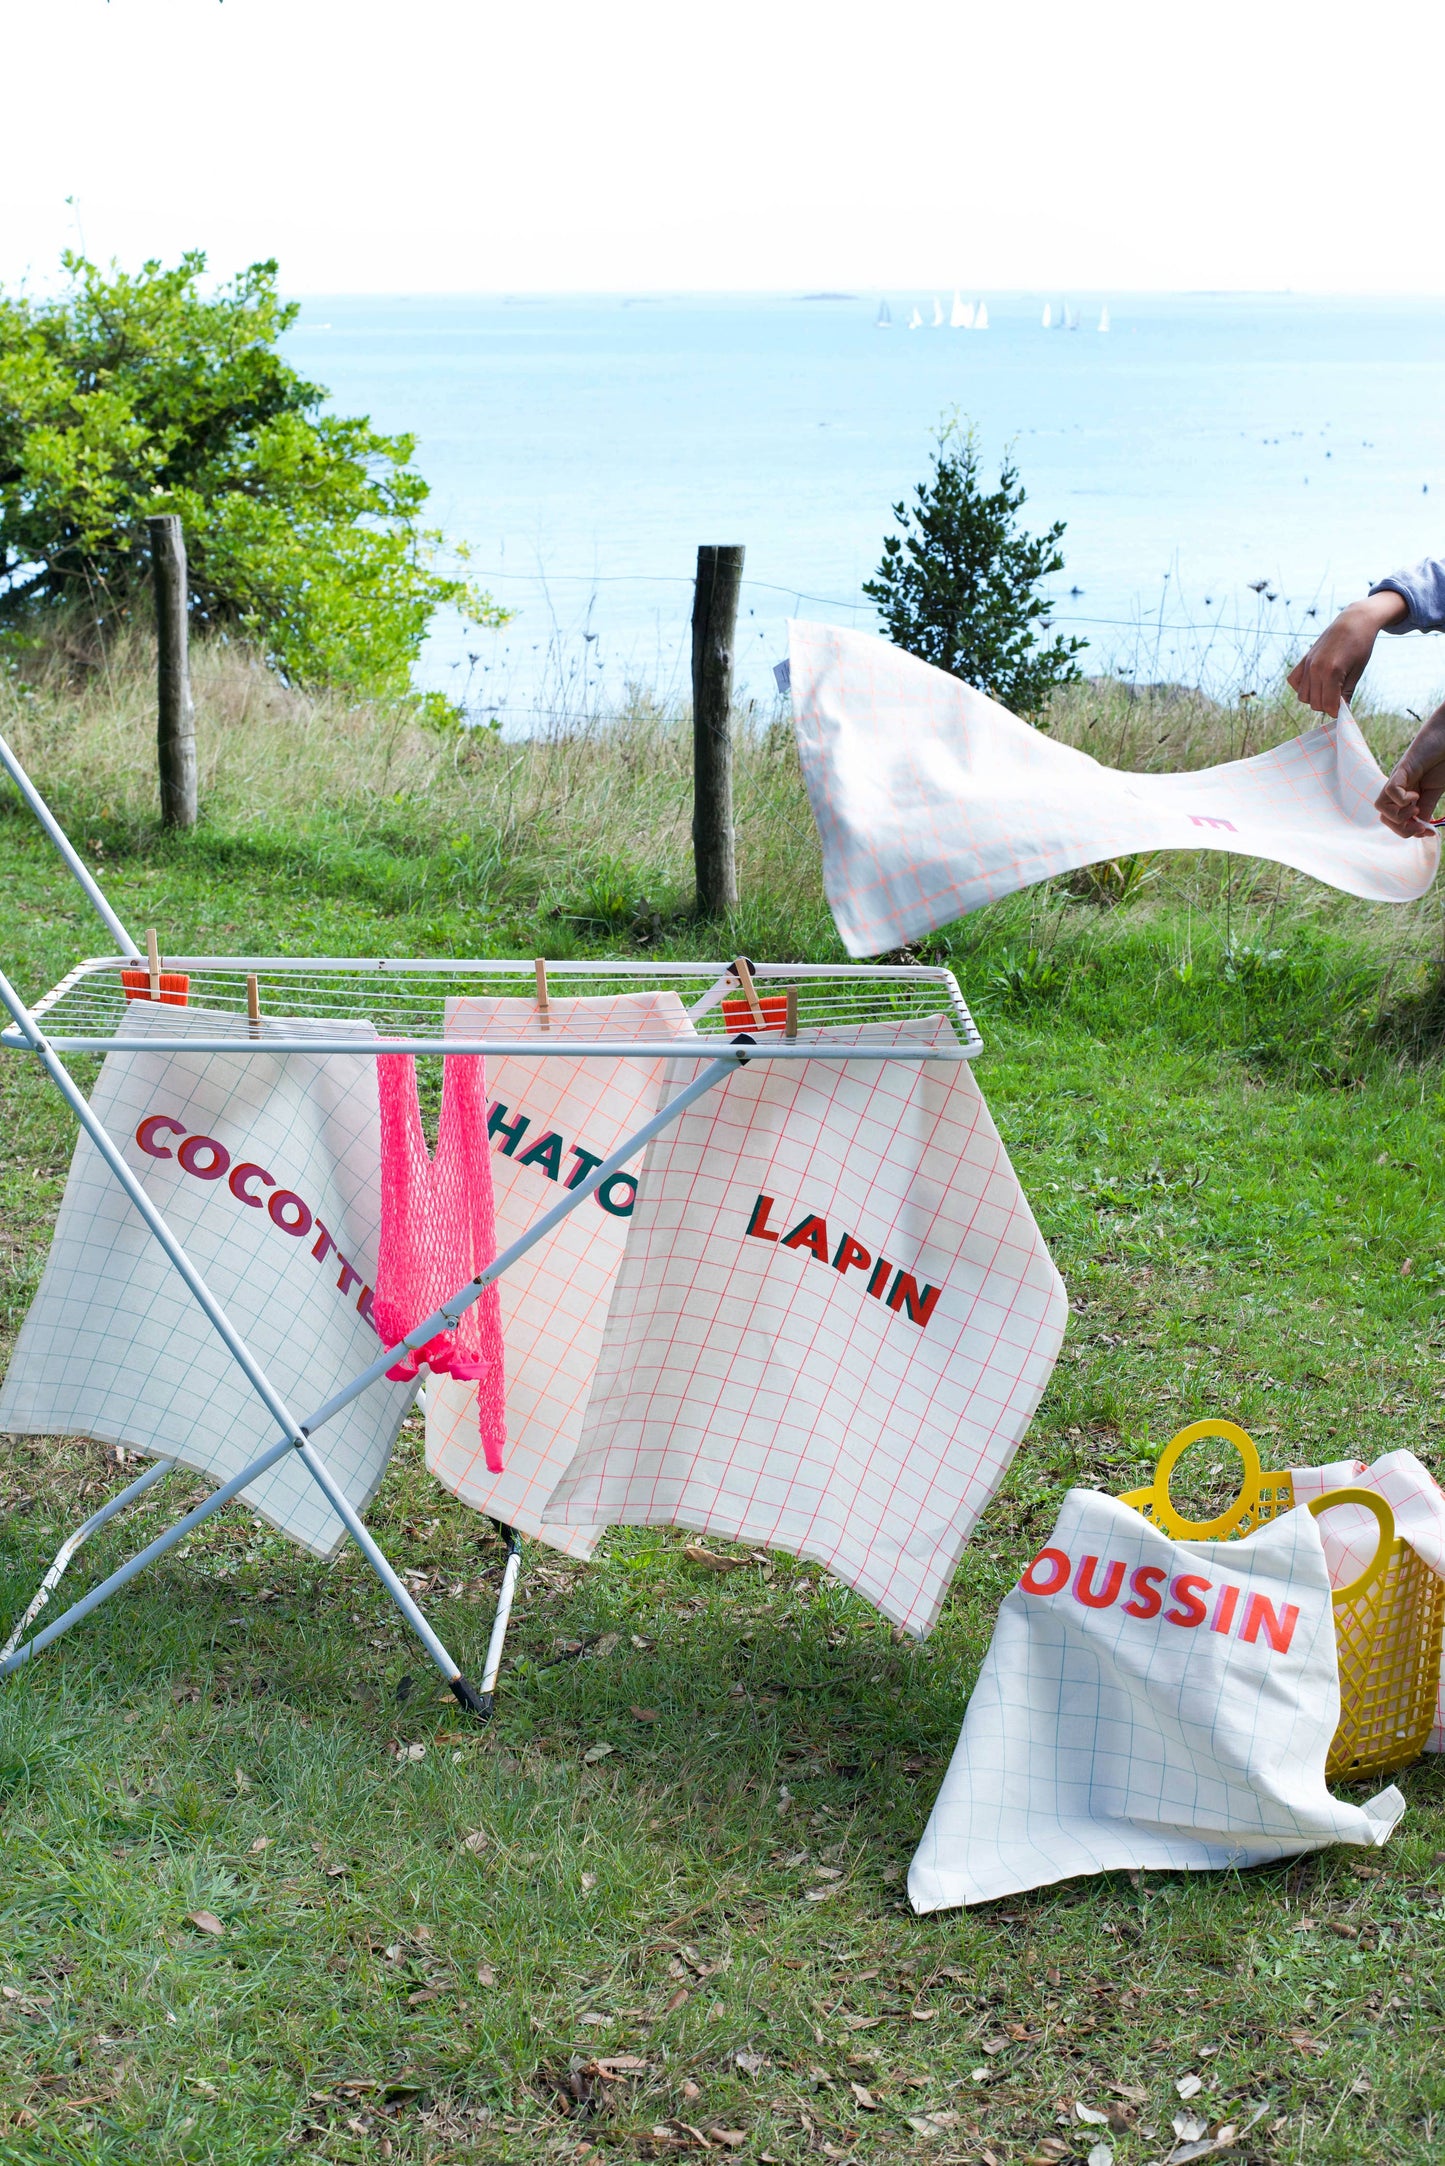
(959, 587)
(124, 396)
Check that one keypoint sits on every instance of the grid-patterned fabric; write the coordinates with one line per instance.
(833, 1323)
(1350, 1533)
(572, 1115)
(270, 1181)
(1138, 1709)
(932, 800)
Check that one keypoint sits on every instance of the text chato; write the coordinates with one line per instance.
(1150, 1586)
(206, 1159)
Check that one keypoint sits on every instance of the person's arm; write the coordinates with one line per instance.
(1414, 789)
(1336, 661)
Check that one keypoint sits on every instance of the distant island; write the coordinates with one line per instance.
(830, 297)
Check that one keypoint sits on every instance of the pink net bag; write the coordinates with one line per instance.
(438, 1229)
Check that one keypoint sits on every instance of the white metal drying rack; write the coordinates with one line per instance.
(738, 1011)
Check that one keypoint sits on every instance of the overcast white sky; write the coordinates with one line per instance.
(455, 145)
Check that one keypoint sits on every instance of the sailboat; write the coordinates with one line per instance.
(1071, 318)
(883, 321)
(937, 313)
(960, 318)
(1104, 317)
(980, 317)
(915, 321)
(1048, 316)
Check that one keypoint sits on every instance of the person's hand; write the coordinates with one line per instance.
(1336, 661)
(1414, 789)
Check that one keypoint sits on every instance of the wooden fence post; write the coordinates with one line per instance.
(714, 628)
(176, 729)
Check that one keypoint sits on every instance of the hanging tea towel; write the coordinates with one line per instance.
(267, 1168)
(832, 1325)
(931, 799)
(1147, 1703)
(1350, 1532)
(550, 1122)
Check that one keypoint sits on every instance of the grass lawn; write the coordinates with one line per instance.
(657, 1907)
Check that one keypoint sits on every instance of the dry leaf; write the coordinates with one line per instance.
(242, 1781)
(711, 1562)
(589, 1881)
(336, 1872)
(995, 2045)
(1134, 2092)
(861, 2023)
(617, 2064)
(476, 1842)
(864, 2097)
(1090, 2115)
(1188, 2127)
(605, 1645)
(734, 2138)
(486, 1976)
(427, 1993)
(751, 2064)
(640, 1643)
(1189, 2086)
(923, 2015)
(206, 1921)
(594, 1753)
(892, 1873)
(677, 2001)
(643, 1714)
(820, 1895)
(262, 1842)
(591, 2016)
(928, 2124)
(1101, 2155)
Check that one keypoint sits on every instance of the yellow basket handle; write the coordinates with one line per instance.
(1173, 1452)
(1379, 1563)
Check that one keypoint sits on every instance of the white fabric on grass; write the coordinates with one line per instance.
(931, 799)
(1096, 1740)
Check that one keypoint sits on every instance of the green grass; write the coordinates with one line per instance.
(1224, 1101)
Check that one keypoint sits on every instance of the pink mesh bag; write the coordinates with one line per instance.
(438, 1229)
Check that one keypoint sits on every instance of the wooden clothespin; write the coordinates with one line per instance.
(153, 962)
(790, 1013)
(253, 1001)
(742, 970)
(543, 1007)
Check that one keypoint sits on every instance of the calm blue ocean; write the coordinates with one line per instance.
(585, 446)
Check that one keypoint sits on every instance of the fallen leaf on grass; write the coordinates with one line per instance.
(1052, 2148)
(242, 1781)
(751, 2064)
(617, 2064)
(206, 1921)
(861, 2023)
(679, 1998)
(427, 1993)
(995, 2045)
(1101, 2155)
(710, 1561)
(594, 1753)
(476, 1842)
(262, 1842)
(589, 1882)
(1135, 2093)
(1189, 2086)
(1188, 2127)
(932, 2124)
(923, 2015)
(1090, 2115)
(643, 1714)
(864, 2097)
(486, 1976)
(733, 2138)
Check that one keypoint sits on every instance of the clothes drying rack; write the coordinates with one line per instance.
(738, 1011)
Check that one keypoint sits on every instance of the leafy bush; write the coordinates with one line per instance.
(124, 396)
(959, 587)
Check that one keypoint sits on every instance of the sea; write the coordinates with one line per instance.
(1229, 469)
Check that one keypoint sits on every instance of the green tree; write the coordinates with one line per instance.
(959, 586)
(123, 396)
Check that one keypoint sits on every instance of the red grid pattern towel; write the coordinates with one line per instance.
(832, 1325)
(931, 800)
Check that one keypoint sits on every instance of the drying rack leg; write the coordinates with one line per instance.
(75, 1540)
(505, 1596)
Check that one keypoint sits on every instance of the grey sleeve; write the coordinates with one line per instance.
(1422, 587)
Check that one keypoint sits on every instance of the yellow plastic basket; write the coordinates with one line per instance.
(1389, 1622)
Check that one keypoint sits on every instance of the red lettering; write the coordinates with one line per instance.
(348, 1278)
(1058, 1565)
(322, 1243)
(758, 1225)
(546, 1152)
(1224, 1609)
(1098, 1598)
(363, 1307)
(190, 1151)
(243, 1173)
(284, 1200)
(1191, 1610)
(1278, 1625)
(851, 1256)
(920, 1305)
(810, 1233)
(880, 1278)
(151, 1127)
(1144, 1586)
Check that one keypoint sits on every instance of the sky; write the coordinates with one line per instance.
(429, 146)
